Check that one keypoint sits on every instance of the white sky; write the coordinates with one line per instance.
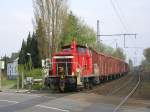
(16, 21)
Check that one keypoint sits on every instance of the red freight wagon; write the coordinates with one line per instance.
(78, 65)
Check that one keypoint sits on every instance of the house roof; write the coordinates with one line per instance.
(14, 57)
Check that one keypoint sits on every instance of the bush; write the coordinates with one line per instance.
(35, 73)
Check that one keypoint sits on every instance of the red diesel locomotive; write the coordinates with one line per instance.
(78, 65)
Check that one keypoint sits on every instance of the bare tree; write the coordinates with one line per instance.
(52, 14)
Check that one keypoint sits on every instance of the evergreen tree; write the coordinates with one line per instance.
(22, 54)
(28, 51)
(29, 40)
(36, 61)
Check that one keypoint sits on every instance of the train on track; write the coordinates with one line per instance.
(77, 65)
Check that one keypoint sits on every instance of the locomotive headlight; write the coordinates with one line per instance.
(77, 70)
(72, 73)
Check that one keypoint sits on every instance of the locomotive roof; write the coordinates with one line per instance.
(68, 46)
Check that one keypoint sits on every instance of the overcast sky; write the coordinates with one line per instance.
(16, 21)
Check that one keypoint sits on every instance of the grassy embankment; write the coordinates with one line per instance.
(11, 84)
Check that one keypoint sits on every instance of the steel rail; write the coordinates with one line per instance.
(118, 89)
(103, 84)
(127, 97)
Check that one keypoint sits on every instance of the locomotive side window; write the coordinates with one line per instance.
(66, 49)
(81, 50)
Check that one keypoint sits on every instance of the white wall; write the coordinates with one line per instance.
(12, 70)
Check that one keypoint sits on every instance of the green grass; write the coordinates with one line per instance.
(7, 84)
(146, 85)
(35, 73)
(37, 86)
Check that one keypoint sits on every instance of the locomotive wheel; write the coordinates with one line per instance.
(86, 85)
(74, 85)
(90, 85)
(62, 87)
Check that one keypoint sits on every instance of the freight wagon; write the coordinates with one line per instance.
(77, 65)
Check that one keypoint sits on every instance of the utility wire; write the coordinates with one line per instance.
(122, 14)
(123, 21)
(118, 15)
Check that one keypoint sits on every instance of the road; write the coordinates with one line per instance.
(84, 101)
(69, 102)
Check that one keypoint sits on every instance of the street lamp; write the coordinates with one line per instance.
(30, 66)
(30, 61)
(17, 69)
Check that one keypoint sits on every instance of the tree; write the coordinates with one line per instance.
(86, 35)
(29, 39)
(146, 63)
(119, 54)
(147, 54)
(52, 14)
(74, 28)
(36, 60)
(70, 29)
(131, 64)
(22, 54)
(41, 39)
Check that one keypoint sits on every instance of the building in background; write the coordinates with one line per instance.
(12, 67)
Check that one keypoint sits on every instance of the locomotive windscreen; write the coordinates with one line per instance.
(66, 64)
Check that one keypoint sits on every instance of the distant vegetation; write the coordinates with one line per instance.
(146, 63)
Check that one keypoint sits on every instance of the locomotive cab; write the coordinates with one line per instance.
(70, 66)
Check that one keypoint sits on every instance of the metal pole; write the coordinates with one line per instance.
(116, 45)
(57, 68)
(124, 35)
(66, 68)
(98, 32)
(30, 63)
(18, 83)
(98, 36)
(124, 40)
(22, 80)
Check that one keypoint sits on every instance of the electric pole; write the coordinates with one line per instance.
(98, 32)
(98, 36)
(124, 37)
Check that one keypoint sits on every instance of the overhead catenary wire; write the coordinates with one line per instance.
(112, 42)
(122, 14)
(122, 19)
(118, 15)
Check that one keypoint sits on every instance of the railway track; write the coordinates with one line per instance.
(125, 88)
(115, 91)
(132, 89)
(110, 87)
